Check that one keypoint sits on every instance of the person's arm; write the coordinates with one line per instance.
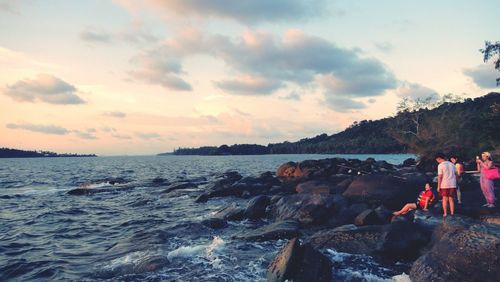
(478, 163)
(440, 179)
(487, 164)
(459, 170)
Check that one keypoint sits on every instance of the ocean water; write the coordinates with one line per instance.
(132, 231)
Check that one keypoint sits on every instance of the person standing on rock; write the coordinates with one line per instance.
(487, 185)
(460, 170)
(447, 183)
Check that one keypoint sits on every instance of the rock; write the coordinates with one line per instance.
(300, 264)
(178, 186)
(367, 217)
(462, 250)
(493, 219)
(203, 198)
(289, 169)
(251, 186)
(306, 208)
(383, 214)
(214, 223)
(359, 240)
(347, 214)
(409, 162)
(232, 212)
(283, 265)
(314, 187)
(246, 194)
(383, 189)
(279, 230)
(403, 241)
(427, 219)
(341, 186)
(256, 207)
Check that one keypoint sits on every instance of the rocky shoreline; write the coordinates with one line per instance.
(346, 205)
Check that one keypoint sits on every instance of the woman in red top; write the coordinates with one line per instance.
(424, 200)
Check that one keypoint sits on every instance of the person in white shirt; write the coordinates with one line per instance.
(447, 183)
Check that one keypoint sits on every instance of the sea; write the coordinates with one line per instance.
(133, 230)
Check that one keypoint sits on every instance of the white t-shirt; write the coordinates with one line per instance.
(449, 172)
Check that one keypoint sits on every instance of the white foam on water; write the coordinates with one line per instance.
(98, 185)
(402, 278)
(207, 251)
(365, 276)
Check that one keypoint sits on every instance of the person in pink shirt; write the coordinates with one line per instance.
(487, 185)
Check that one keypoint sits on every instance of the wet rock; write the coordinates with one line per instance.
(341, 186)
(383, 214)
(306, 208)
(358, 240)
(256, 207)
(214, 222)
(427, 219)
(299, 263)
(493, 219)
(367, 217)
(232, 212)
(289, 169)
(462, 250)
(403, 241)
(314, 187)
(278, 230)
(281, 268)
(179, 186)
(409, 162)
(383, 189)
(203, 198)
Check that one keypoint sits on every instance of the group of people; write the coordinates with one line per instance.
(448, 185)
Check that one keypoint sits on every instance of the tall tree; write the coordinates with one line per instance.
(489, 51)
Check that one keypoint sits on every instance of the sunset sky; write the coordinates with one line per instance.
(129, 77)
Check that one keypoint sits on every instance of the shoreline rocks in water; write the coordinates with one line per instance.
(347, 205)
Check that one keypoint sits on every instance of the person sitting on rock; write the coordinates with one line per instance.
(424, 200)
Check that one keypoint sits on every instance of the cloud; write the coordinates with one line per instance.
(249, 85)
(243, 11)
(385, 46)
(483, 75)
(45, 88)
(116, 114)
(108, 129)
(158, 67)
(91, 35)
(343, 104)
(148, 136)
(265, 63)
(84, 135)
(292, 96)
(415, 91)
(46, 129)
(121, 136)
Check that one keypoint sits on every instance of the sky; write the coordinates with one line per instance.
(128, 77)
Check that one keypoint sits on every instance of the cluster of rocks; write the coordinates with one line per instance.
(347, 205)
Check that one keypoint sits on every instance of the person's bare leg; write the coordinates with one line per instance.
(445, 206)
(405, 209)
(452, 205)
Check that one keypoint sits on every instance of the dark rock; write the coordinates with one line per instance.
(383, 214)
(493, 219)
(314, 187)
(306, 208)
(341, 186)
(367, 217)
(278, 230)
(159, 181)
(246, 194)
(274, 199)
(462, 250)
(403, 241)
(383, 189)
(178, 186)
(358, 240)
(283, 264)
(214, 222)
(299, 264)
(427, 220)
(256, 207)
(409, 162)
(232, 212)
(203, 198)
(289, 169)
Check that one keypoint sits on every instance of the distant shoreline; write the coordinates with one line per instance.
(8, 153)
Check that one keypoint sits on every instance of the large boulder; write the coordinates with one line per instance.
(299, 264)
(403, 241)
(367, 217)
(306, 208)
(256, 207)
(234, 185)
(388, 190)
(462, 250)
(349, 239)
(314, 187)
(289, 169)
(232, 212)
(279, 230)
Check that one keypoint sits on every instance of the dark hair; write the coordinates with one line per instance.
(454, 157)
(440, 156)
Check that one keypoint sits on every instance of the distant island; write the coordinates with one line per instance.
(15, 153)
(453, 124)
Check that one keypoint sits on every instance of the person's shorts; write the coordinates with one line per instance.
(418, 206)
(447, 192)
